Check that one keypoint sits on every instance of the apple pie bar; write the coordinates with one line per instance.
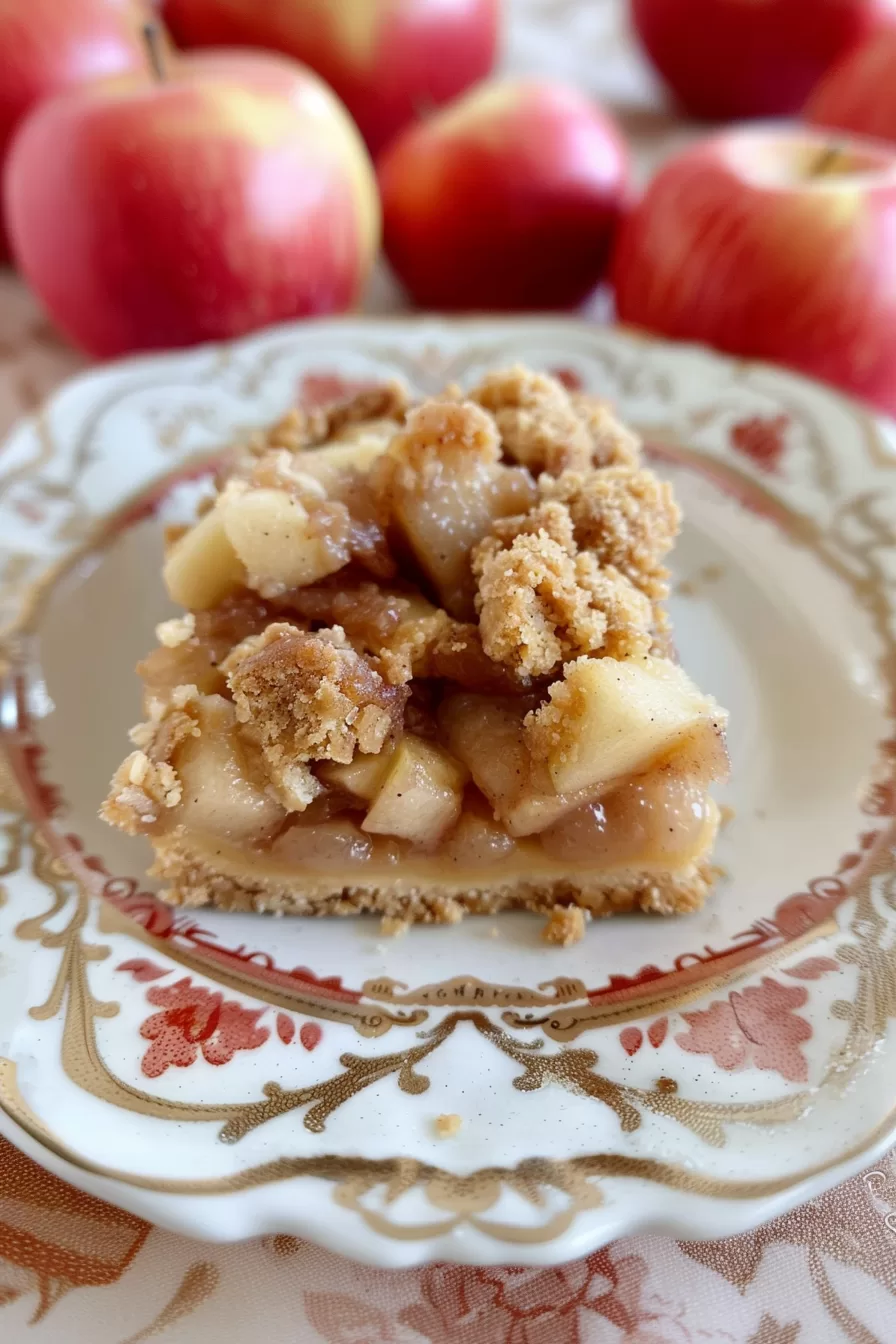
(425, 668)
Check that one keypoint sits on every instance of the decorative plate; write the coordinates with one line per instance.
(231, 1075)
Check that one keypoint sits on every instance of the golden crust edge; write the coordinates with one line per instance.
(192, 881)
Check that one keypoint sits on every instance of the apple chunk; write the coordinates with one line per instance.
(421, 795)
(330, 463)
(221, 795)
(276, 539)
(202, 568)
(443, 522)
(444, 485)
(362, 777)
(488, 734)
(608, 719)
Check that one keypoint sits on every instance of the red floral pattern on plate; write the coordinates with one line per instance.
(142, 969)
(322, 389)
(195, 1019)
(758, 1026)
(761, 439)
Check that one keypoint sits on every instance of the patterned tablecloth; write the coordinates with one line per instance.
(75, 1271)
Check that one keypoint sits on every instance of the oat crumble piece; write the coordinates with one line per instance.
(392, 926)
(545, 428)
(533, 613)
(447, 1126)
(440, 436)
(140, 790)
(308, 697)
(408, 651)
(541, 602)
(565, 925)
(385, 401)
(176, 631)
(628, 518)
(613, 443)
(544, 726)
(300, 428)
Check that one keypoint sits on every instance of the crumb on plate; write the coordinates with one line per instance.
(565, 925)
(448, 1125)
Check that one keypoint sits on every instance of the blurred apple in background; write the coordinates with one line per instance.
(390, 61)
(726, 59)
(507, 199)
(233, 193)
(859, 94)
(48, 45)
(775, 244)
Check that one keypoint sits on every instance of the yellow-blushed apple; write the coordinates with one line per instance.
(390, 61)
(224, 194)
(773, 243)
(506, 199)
(48, 45)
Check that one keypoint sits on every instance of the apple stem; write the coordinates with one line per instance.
(153, 39)
(828, 158)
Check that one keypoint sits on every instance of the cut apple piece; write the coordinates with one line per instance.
(222, 795)
(361, 777)
(325, 845)
(607, 720)
(488, 734)
(443, 522)
(477, 840)
(188, 664)
(329, 465)
(202, 568)
(661, 819)
(277, 539)
(421, 795)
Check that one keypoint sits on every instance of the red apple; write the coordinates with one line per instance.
(48, 45)
(775, 244)
(859, 94)
(727, 59)
(389, 60)
(232, 194)
(506, 199)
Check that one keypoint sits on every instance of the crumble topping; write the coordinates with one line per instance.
(300, 428)
(542, 601)
(546, 429)
(140, 789)
(612, 443)
(442, 435)
(533, 612)
(308, 697)
(628, 518)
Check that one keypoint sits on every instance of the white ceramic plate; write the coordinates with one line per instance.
(231, 1075)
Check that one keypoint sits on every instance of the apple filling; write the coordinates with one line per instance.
(423, 669)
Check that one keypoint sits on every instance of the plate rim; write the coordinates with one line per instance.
(810, 1181)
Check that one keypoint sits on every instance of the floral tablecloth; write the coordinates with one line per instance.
(76, 1271)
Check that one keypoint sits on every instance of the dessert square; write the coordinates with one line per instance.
(425, 668)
